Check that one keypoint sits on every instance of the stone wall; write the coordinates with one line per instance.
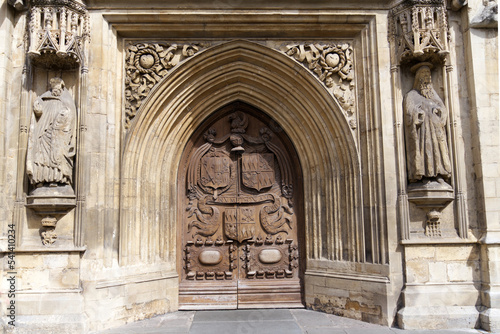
(371, 251)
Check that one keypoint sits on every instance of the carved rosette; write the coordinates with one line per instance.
(58, 30)
(333, 65)
(146, 64)
(419, 30)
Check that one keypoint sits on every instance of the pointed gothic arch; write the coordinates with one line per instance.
(284, 90)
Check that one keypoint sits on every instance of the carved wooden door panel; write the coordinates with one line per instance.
(240, 215)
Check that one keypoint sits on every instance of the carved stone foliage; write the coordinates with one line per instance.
(419, 30)
(146, 64)
(58, 31)
(333, 65)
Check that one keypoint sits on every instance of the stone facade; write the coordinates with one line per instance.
(102, 246)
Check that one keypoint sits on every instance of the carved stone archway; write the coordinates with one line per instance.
(289, 94)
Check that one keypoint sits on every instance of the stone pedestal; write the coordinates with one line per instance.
(432, 197)
(51, 203)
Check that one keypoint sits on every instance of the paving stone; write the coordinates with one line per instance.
(308, 318)
(374, 330)
(244, 315)
(264, 321)
(324, 330)
(438, 331)
(246, 327)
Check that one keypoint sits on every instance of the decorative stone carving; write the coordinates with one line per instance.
(487, 16)
(146, 65)
(333, 64)
(51, 149)
(51, 145)
(427, 155)
(58, 31)
(419, 30)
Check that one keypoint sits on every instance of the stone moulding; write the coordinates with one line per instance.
(147, 63)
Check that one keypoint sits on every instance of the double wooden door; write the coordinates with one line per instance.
(240, 194)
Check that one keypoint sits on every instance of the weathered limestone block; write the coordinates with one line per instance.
(442, 287)
(417, 272)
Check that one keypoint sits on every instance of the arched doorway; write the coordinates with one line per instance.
(240, 214)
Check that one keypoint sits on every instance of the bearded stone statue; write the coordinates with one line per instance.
(51, 145)
(427, 154)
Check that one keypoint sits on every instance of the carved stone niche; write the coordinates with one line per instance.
(49, 160)
(428, 161)
(419, 30)
(57, 33)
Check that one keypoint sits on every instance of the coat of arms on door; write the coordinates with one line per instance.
(240, 191)
(239, 224)
(215, 171)
(257, 170)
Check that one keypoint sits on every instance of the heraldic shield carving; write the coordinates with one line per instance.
(257, 170)
(239, 219)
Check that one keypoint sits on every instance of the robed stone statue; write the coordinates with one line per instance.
(427, 151)
(51, 146)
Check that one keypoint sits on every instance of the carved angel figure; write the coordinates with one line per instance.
(427, 152)
(51, 146)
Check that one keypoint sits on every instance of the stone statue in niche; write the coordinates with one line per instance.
(426, 139)
(427, 153)
(49, 163)
(51, 145)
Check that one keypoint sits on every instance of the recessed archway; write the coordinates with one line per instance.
(289, 94)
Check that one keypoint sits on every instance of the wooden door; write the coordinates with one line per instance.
(240, 214)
